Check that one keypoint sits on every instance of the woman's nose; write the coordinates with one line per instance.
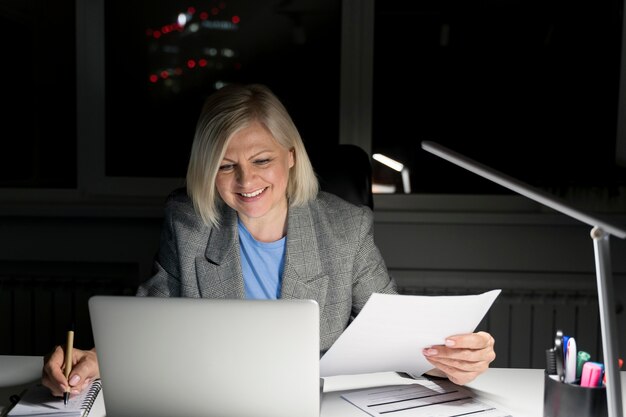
(244, 174)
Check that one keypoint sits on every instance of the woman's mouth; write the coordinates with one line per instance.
(253, 193)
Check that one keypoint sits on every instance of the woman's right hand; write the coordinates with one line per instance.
(84, 370)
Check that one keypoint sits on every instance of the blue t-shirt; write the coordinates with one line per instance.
(262, 265)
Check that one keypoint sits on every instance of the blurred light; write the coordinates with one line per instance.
(156, 34)
(182, 19)
(396, 166)
(191, 63)
(383, 188)
(219, 84)
(164, 74)
(235, 19)
(204, 15)
(212, 51)
(194, 27)
(202, 62)
(227, 52)
(191, 10)
(385, 160)
(153, 78)
(178, 71)
(215, 11)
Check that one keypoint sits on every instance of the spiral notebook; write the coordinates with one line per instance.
(38, 401)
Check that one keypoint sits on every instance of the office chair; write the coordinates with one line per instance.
(346, 171)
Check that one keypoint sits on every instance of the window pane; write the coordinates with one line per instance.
(163, 59)
(39, 94)
(529, 89)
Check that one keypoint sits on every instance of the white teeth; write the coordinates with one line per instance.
(253, 194)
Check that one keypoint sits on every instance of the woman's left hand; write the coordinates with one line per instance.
(463, 357)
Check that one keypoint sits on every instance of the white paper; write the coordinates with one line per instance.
(391, 330)
(424, 398)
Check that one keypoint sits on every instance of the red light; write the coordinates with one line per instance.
(235, 19)
(191, 63)
(215, 11)
(153, 78)
(204, 15)
(191, 10)
(156, 34)
(202, 62)
(164, 74)
(165, 29)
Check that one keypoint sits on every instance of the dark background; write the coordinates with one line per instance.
(530, 88)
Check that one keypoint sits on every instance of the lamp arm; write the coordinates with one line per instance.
(604, 279)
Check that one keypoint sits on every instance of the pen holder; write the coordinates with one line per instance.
(566, 400)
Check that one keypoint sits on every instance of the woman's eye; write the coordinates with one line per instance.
(262, 161)
(226, 167)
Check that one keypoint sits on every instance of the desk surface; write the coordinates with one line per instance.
(519, 391)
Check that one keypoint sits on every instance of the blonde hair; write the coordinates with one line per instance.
(225, 112)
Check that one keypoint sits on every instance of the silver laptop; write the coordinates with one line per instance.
(201, 357)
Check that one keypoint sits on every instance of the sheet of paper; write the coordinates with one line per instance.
(424, 398)
(391, 330)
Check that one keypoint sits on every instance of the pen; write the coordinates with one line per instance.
(558, 350)
(68, 364)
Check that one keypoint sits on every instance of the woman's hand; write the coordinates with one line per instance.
(84, 370)
(463, 357)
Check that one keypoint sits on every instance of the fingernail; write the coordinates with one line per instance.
(74, 380)
(429, 351)
(450, 342)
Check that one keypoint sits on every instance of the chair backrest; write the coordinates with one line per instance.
(346, 171)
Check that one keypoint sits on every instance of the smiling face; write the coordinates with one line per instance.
(253, 176)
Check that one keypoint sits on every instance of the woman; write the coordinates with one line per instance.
(252, 224)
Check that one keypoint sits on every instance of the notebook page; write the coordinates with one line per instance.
(38, 401)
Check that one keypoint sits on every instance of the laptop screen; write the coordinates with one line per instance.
(199, 357)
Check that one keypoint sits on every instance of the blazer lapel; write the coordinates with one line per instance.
(219, 273)
(303, 276)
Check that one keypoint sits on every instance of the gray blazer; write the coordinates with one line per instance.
(330, 257)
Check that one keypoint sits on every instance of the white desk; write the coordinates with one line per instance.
(519, 391)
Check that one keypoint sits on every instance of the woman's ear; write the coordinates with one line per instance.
(292, 157)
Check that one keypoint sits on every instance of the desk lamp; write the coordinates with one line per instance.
(600, 233)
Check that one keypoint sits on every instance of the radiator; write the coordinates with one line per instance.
(523, 322)
(40, 302)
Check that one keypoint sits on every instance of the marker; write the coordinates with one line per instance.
(592, 374)
(570, 361)
(581, 359)
(620, 362)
